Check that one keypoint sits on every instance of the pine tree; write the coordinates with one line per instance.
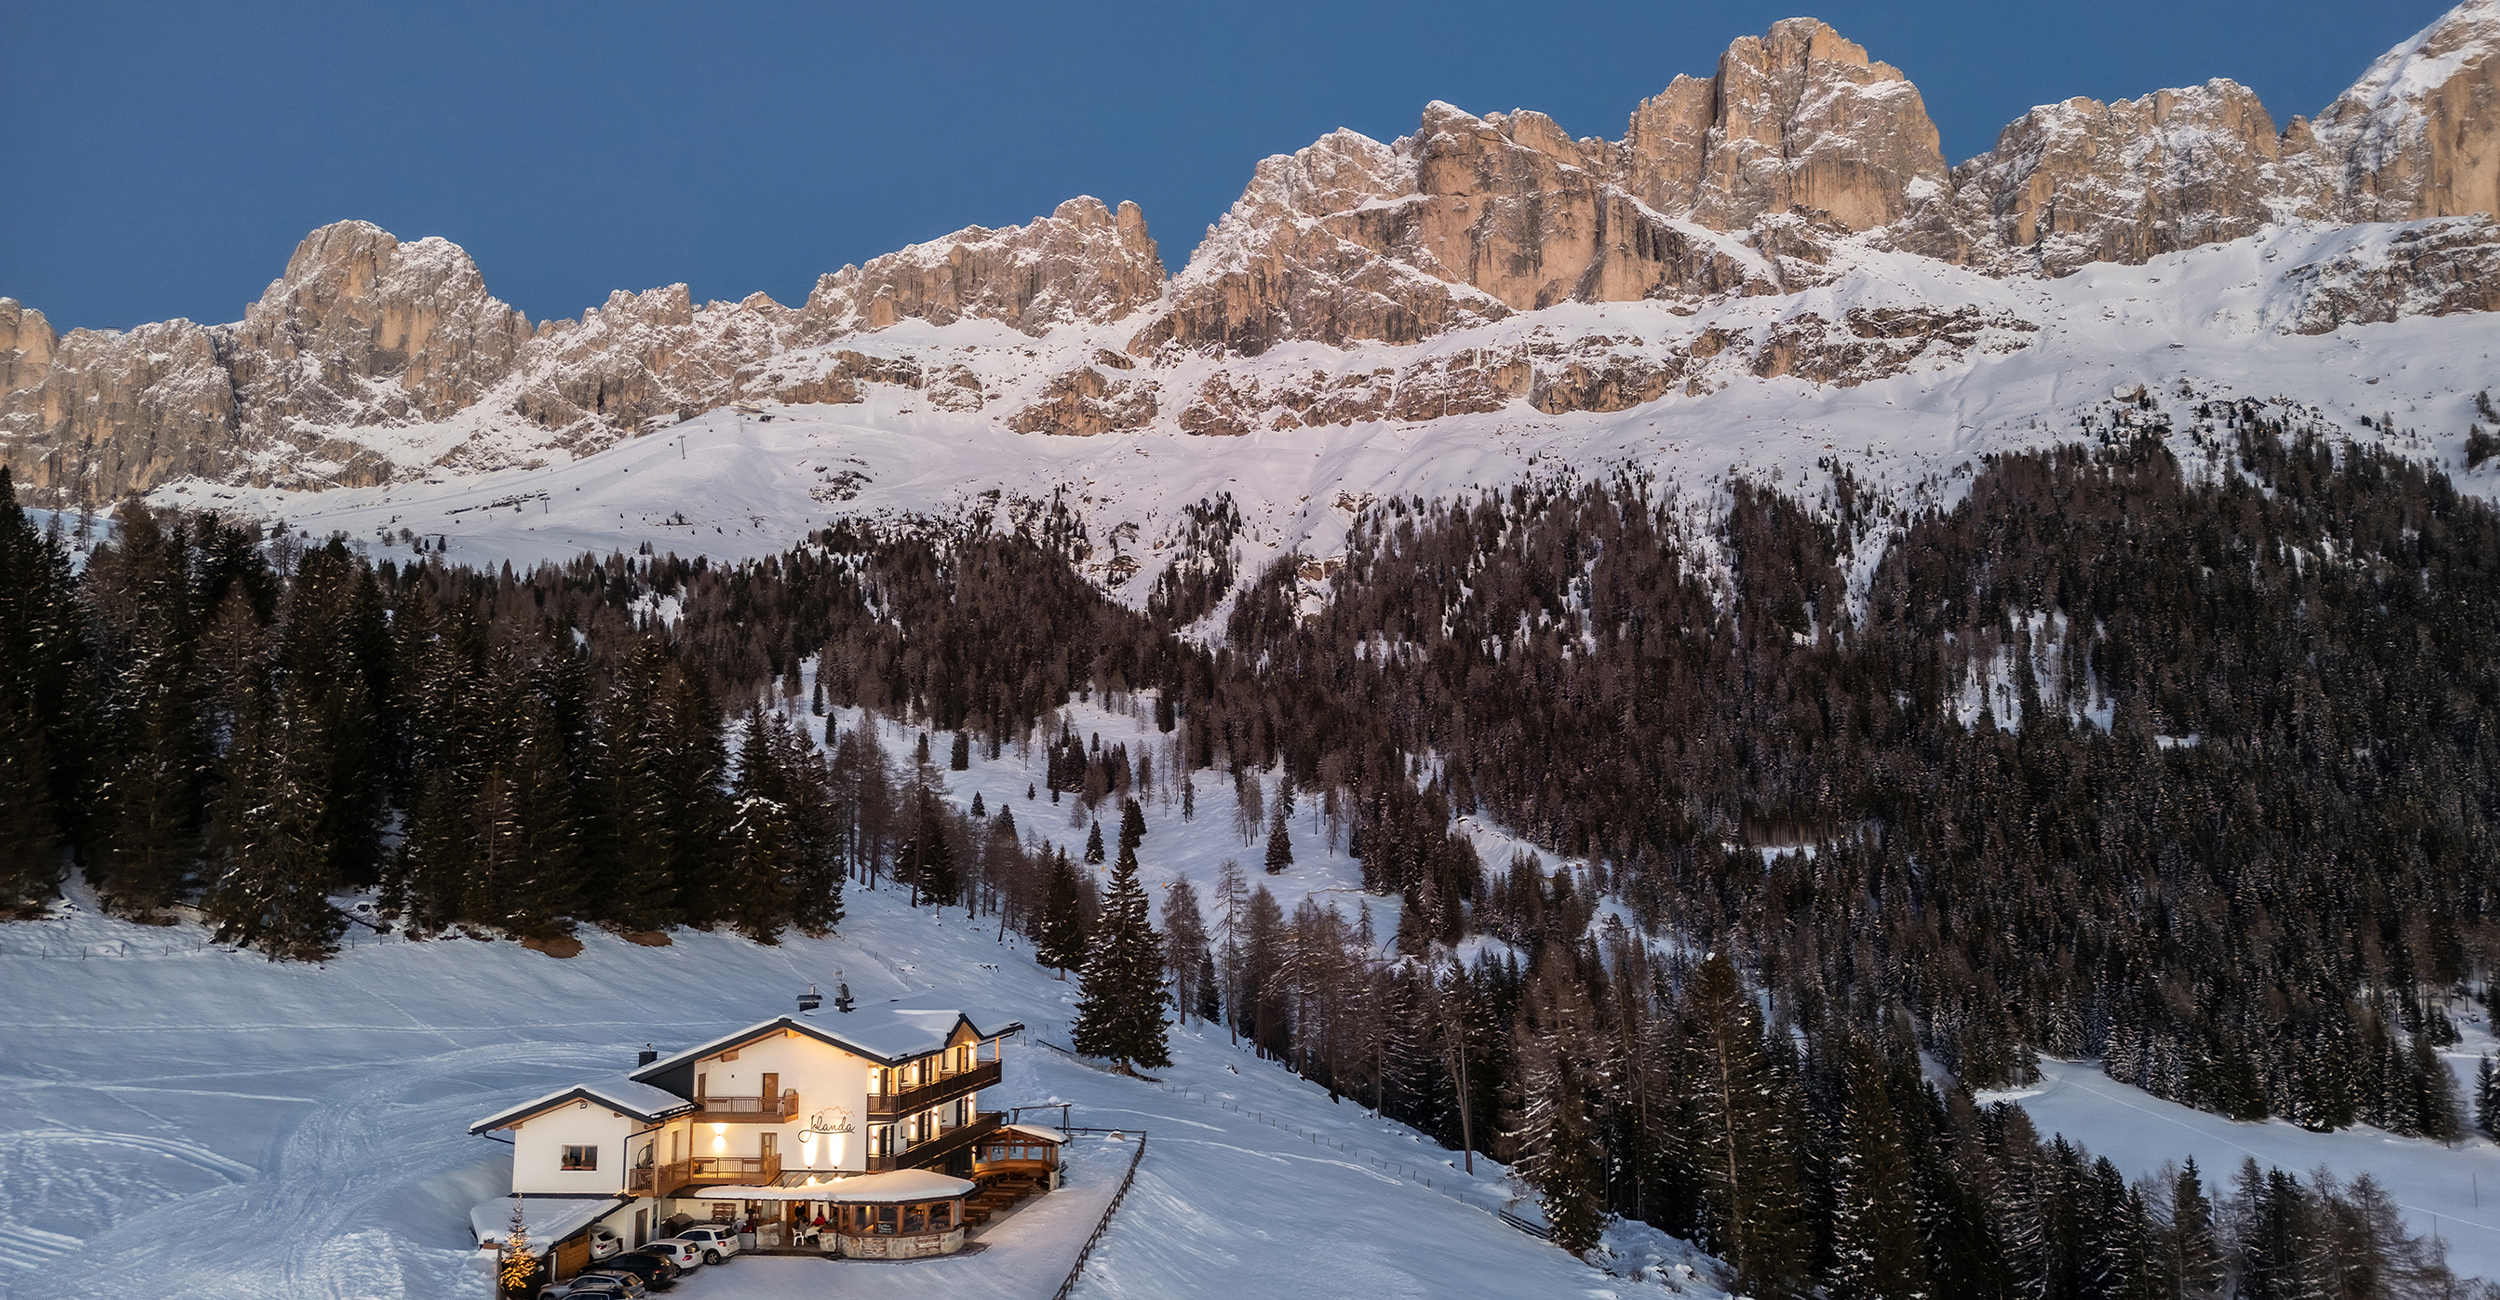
(1875, 1246)
(2487, 1098)
(270, 888)
(927, 862)
(1279, 842)
(1185, 952)
(1737, 1137)
(149, 805)
(1119, 1014)
(1059, 942)
(2196, 1255)
(1132, 825)
(1093, 845)
(1561, 1153)
(763, 843)
(959, 756)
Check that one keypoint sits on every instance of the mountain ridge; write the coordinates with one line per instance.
(372, 360)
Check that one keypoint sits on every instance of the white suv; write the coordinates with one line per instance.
(717, 1241)
(677, 1250)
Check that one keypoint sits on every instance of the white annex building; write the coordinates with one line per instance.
(856, 1132)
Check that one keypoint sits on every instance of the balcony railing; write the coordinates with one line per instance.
(928, 1151)
(750, 1110)
(658, 1180)
(735, 1169)
(946, 1087)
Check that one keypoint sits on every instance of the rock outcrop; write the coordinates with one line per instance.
(1798, 119)
(1083, 262)
(2084, 181)
(363, 329)
(365, 332)
(2419, 134)
(1473, 218)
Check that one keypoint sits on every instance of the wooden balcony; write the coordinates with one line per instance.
(750, 1110)
(734, 1169)
(928, 1152)
(946, 1087)
(658, 1180)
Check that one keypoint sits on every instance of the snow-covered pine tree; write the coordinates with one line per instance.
(1737, 1137)
(270, 887)
(1093, 845)
(42, 697)
(2487, 1098)
(1560, 1152)
(1059, 941)
(2195, 1251)
(148, 809)
(1119, 1014)
(816, 826)
(763, 844)
(1875, 1239)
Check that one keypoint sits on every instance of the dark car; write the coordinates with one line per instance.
(654, 1270)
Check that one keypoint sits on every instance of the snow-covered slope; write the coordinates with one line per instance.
(1999, 365)
(192, 1122)
(203, 1123)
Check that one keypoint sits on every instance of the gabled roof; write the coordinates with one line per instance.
(889, 1033)
(628, 1097)
(548, 1219)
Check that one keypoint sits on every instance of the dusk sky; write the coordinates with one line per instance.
(166, 158)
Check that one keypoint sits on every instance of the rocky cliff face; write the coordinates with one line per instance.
(2084, 181)
(364, 332)
(1796, 158)
(1083, 262)
(1473, 218)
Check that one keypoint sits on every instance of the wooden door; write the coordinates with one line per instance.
(772, 1092)
(642, 1227)
(769, 1148)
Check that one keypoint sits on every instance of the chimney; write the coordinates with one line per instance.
(647, 1055)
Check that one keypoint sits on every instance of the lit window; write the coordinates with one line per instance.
(581, 1157)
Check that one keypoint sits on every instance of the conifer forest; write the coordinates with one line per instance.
(2190, 766)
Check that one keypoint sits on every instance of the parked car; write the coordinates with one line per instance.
(610, 1285)
(719, 1241)
(604, 1242)
(676, 1250)
(656, 1271)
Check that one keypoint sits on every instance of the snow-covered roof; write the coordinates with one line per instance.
(548, 1219)
(850, 1189)
(1035, 1130)
(900, 1185)
(630, 1097)
(890, 1032)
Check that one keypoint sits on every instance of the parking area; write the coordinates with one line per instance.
(1023, 1255)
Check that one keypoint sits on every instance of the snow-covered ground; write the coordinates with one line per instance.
(190, 1121)
(728, 484)
(2441, 1188)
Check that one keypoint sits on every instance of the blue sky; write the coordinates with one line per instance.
(164, 159)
